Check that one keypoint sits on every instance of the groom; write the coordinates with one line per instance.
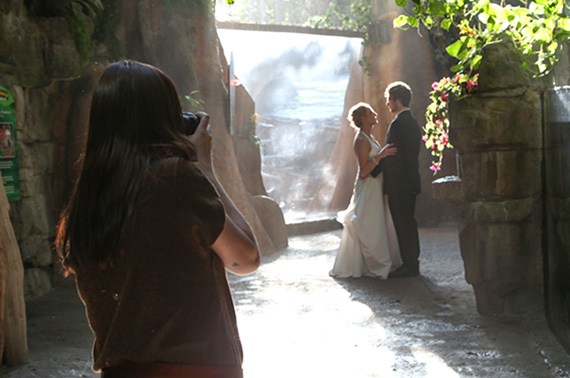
(401, 176)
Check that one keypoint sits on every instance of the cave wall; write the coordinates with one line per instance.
(51, 69)
(512, 138)
(498, 135)
(557, 211)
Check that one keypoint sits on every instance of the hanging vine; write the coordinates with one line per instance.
(537, 28)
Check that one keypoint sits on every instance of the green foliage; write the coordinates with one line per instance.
(356, 17)
(249, 132)
(538, 28)
(191, 102)
(364, 64)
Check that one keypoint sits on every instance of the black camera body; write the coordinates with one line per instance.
(191, 122)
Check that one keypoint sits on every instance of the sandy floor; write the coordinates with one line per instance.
(296, 321)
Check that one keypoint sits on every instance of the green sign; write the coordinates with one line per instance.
(9, 146)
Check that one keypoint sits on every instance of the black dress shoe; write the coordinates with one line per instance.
(404, 272)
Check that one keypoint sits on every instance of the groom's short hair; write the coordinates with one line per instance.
(399, 91)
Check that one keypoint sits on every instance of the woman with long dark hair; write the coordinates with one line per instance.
(149, 234)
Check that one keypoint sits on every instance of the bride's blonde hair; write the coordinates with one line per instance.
(356, 113)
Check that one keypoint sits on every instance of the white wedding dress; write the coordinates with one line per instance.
(369, 246)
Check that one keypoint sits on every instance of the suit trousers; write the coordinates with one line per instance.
(402, 207)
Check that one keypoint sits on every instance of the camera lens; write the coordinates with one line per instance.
(191, 122)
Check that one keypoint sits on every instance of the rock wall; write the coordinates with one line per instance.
(34, 64)
(557, 211)
(498, 135)
(513, 142)
(51, 71)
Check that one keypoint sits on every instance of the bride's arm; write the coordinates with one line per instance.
(387, 150)
(362, 150)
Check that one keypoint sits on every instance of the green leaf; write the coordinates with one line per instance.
(552, 47)
(436, 8)
(445, 24)
(456, 68)
(413, 21)
(503, 15)
(428, 22)
(455, 48)
(400, 22)
(475, 62)
(401, 3)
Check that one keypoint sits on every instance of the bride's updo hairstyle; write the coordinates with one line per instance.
(356, 113)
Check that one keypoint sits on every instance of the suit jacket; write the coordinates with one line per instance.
(401, 174)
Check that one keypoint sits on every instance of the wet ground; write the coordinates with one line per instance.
(296, 321)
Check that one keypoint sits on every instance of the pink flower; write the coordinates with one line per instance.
(471, 84)
(435, 167)
(444, 97)
(425, 138)
(434, 85)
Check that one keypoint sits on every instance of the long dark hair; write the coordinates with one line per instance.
(135, 120)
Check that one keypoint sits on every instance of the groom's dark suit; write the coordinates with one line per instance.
(402, 184)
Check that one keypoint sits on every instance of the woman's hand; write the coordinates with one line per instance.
(202, 140)
(387, 150)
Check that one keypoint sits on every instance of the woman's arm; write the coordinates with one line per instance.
(236, 244)
(362, 150)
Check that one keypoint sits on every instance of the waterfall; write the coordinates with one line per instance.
(298, 82)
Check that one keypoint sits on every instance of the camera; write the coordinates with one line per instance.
(191, 122)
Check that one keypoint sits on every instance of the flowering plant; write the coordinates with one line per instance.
(436, 137)
(538, 28)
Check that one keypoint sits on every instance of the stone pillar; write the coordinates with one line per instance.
(498, 136)
(557, 212)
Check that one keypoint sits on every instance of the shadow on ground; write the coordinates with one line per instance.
(296, 321)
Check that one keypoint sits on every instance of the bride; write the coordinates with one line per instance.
(368, 246)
